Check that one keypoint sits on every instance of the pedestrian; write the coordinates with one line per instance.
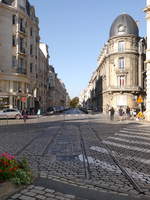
(24, 115)
(38, 113)
(112, 112)
(128, 112)
(120, 111)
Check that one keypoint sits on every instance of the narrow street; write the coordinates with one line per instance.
(82, 156)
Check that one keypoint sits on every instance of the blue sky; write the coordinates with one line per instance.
(76, 30)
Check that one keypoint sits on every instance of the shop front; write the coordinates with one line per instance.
(4, 102)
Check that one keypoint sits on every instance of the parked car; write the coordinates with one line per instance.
(50, 110)
(10, 113)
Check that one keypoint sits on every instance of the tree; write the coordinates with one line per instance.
(74, 102)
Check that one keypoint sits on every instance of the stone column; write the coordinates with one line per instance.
(147, 11)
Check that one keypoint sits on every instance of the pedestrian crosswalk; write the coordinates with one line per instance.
(129, 141)
(134, 136)
(131, 147)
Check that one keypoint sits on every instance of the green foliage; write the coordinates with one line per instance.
(22, 177)
(24, 164)
(17, 172)
(74, 102)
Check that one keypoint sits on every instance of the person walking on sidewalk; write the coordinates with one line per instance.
(112, 113)
(24, 115)
(128, 112)
(120, 111)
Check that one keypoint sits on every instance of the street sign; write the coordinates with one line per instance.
(140, 99)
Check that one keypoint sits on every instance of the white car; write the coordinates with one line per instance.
(10, 113)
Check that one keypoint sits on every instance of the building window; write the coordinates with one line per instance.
(121, 63)
(121, 81)
(31, 67)
(31, 49)
(15, 86)
(13, 61)
(14, 19)
(22, 49)
(31, 31)
(13, 40)
(21, 63)
(121, 46)
(22, 28)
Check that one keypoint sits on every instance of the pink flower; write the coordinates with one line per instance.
(7, 155)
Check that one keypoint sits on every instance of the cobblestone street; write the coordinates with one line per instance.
(81, 156)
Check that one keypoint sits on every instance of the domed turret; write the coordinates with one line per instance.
(124, 25)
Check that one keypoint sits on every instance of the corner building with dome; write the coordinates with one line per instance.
(120, 76)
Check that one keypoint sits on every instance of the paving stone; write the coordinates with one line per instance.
(24, 191)
(15, 196)
(69, 196)
(60, 198)
(49, 195)
(30, 186)
(40, 197)
(49, 190)
(32, 194)
(26, 198)
(39, 187)
(38, 191)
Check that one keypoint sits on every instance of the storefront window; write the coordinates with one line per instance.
(4, 102)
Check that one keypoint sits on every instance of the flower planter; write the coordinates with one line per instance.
(7, 189)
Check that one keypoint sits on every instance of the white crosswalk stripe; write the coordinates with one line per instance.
(135, 133)
(129, 141)
(133, 136)
(104, 151)
(137, 130)
(127, 147)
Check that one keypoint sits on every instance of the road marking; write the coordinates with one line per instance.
(129, 141)
(132, 136)
(99, 149)
(127, 147)
(135, 133)
(138, 159)
(104, 165)
(136, 129)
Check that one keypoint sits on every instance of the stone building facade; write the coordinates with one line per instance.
(119, 79)
(58, 95)
(24, 67)
(19, 46)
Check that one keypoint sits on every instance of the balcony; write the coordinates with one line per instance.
(121, 71)
(123, 89)
(22, 31)
(22, 52)
(21, 71)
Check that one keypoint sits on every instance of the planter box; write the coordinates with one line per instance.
(7, 189)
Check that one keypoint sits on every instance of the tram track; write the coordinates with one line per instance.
(34, 157)
(85, 158)
(124, 171)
